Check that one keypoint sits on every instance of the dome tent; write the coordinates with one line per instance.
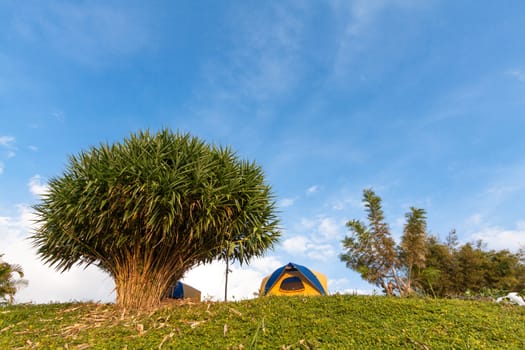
(294, 279)
(183, 291)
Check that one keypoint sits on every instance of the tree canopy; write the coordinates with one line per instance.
(421, 263)
(9, 284)
(370, 250)
(151, 207)
(454, 270)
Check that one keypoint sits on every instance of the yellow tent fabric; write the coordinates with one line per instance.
(293, 279)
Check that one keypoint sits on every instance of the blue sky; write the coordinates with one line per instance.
(422, 101)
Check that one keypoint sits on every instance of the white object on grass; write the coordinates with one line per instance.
(514, 298)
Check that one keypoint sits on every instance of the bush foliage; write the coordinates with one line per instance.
(421, 263)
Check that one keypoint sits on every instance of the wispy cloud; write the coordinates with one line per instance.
(89, 33)
(272, 50)
(517, 74)
(507, 185)
(506, 188)
(259, 70)
(286, 202)
(312, 189)
(58, 116)
(357, 22)
(7, 141)
(343, 203)
(353, 19)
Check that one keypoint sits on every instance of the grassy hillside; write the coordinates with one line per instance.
(335, 322)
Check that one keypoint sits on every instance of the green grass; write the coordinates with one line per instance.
(334, 322)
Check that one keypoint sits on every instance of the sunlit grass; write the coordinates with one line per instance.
(335, 322)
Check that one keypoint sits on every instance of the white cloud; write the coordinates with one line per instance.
(320, 252)
(501, 190)
(2, 167)
(330, 229)
(501, 238)
(342, 204)
(322, 227)
(6, 141)
(312, 189)
(302, 246)
(286, 202)
(37, 186)
(296, 245)
(26, 218)
(316, 238)
(45, 284)
(243, 282)
(266, 265)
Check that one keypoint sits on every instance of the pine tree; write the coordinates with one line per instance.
(370, 250)
(413, 246)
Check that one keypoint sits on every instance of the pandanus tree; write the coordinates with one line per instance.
(149, 208)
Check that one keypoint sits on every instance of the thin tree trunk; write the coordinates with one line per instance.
(399, 283)
(226, 281)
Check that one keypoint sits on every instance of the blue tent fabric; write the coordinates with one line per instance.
(309, 275)
(178, 291)
(182, 291)
(274, 277)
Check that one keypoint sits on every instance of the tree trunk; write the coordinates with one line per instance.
(226, 276)
(401, 287)
(140, 285)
